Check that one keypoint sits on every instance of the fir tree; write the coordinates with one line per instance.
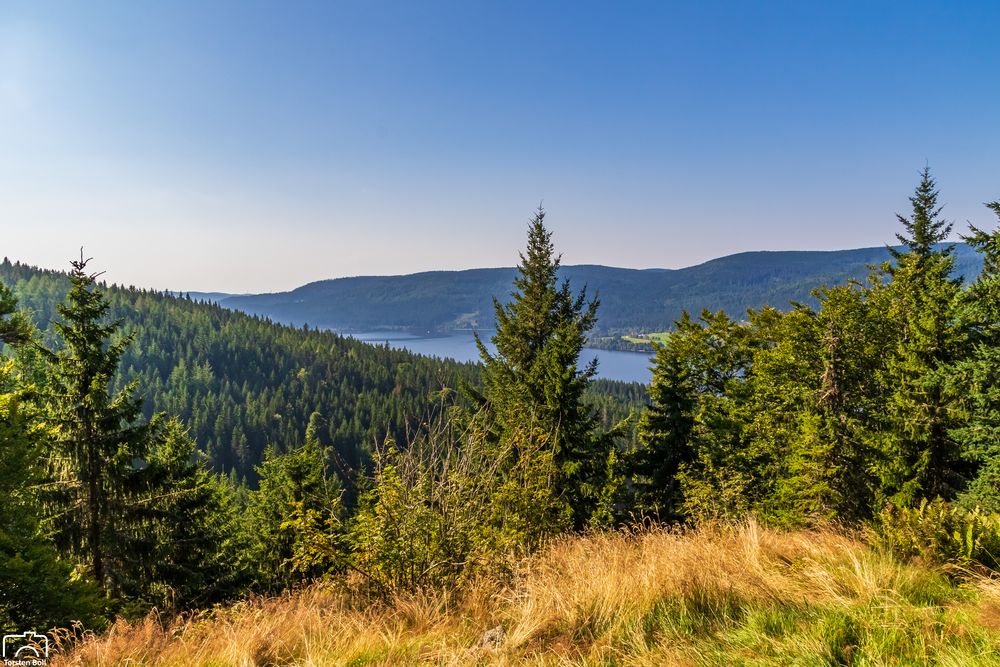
(191, 519)
(825, 360)
(98, 457)
(719, 479)
(297, 507)
(665, 428)
(37, 589)
(922, 458)
(534, 375)
(977, 377)
(14, 326)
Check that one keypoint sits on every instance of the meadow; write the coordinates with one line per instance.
(722, 594)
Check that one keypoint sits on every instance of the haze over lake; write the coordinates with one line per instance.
(461, 346)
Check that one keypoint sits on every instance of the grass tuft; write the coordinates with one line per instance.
(739, 595)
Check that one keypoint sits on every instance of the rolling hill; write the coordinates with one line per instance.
(631, 299)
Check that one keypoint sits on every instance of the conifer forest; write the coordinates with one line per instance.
(165, 463)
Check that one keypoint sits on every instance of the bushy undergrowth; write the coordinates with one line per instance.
(938, 532)
(455, 504)
(741, 595)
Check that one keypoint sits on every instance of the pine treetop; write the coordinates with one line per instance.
(924, 228)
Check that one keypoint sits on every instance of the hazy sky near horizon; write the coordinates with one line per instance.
(256, 146)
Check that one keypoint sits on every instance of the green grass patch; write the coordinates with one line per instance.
(647, 338)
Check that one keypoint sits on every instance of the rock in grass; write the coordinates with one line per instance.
(493, 638)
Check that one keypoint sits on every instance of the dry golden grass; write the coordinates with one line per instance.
(736, 595)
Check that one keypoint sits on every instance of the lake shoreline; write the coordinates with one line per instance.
(460, 345)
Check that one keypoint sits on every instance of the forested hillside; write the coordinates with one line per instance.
(631, 300)
(242, 383)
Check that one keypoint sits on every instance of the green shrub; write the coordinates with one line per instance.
(455, 503)
(938, 532)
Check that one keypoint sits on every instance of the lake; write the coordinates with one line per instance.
(461, 346)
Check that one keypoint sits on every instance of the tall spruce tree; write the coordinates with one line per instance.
(191, 523)
(535, 376)
(922, 458)
(665, 427)
(977, 376)
(98, 458)
(813, 400)
(37, 589)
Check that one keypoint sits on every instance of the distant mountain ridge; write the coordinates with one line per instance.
(631, 299)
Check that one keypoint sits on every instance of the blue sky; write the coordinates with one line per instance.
(257, 146)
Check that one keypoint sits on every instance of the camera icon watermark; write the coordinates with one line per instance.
(28, 649)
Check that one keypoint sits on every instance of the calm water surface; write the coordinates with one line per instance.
(461, 346)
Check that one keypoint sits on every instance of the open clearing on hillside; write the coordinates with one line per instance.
(741, 595)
